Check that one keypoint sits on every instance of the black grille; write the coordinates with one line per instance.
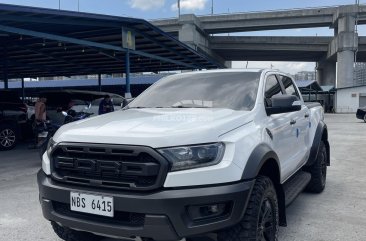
(120, 218)
(111, 166)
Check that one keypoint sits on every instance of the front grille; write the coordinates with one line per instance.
(120, 218)
(109, 166)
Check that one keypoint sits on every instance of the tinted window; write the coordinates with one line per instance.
(272, 88)
(232, 90)
(289, 86)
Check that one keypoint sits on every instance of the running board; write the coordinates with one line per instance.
(295, 185)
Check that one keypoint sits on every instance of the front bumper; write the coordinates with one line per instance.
(161, 215)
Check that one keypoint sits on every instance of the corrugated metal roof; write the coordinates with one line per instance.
(39, 42)
(308, 84)
(136, 80)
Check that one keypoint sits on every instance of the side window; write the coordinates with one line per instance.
(272, 88)
(289, 86)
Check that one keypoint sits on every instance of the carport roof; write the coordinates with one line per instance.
(39, 42)
(311, 85)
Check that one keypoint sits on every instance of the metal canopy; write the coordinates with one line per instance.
(38, 42)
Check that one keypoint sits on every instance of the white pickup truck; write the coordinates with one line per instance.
(221, 151)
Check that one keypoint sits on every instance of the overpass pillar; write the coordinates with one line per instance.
(192, 34)
(326, 72)
(345, 43)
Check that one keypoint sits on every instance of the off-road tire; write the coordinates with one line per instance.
(318, 171)
(68, 234)
(8, 137)
(263, 199)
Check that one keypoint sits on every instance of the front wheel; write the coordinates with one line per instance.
(261, 218)
(364, 118)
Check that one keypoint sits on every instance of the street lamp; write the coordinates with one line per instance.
(178, 8)
(212, 7)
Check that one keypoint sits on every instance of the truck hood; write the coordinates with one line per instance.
(154, 127)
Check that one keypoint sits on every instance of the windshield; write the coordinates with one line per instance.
(231, 90)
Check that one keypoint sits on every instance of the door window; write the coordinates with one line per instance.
(272, 88)
(289, 86)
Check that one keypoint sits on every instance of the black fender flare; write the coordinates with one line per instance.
(321, 134)
(256, 160)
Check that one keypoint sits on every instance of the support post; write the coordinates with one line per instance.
(5, 68)
(346, 44)
(100, 82)
(23, 90)
(128, 85)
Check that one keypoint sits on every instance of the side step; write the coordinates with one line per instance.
(295, 185)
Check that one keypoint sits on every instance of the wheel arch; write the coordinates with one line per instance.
(264, 161)
(321, 135)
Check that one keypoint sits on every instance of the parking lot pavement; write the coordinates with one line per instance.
(336, 214)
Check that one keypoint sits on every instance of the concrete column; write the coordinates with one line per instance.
(346, 45)
(192, 34)
(326, 72)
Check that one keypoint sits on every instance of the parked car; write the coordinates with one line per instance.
(75, 101)
(117, 101)
(221, 151)
(361, 113)
(13, 115)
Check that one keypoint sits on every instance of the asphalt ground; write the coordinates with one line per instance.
(336, 214)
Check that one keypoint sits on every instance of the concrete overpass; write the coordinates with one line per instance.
(197, 31)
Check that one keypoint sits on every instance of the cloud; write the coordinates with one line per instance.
(145, 5)
(190, 5)
(287, 67)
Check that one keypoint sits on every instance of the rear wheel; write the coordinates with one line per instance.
(318, 171)
(364, 118)
(68, 234)
(8, 137)
(261, 217)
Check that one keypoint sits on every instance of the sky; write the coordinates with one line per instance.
(159, 9)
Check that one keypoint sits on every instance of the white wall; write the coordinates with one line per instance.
(348, 100)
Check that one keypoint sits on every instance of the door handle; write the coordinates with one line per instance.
(292, 122)
(306, 115)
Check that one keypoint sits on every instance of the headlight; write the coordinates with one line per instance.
(46, 165)
(51, 144)
(188, 157)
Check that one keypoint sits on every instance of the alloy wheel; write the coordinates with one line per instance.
(266, 228)
(7, 138)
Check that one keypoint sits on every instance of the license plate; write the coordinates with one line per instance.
(93, 204)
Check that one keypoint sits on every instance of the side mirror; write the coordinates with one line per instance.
(283, 104)
(126, 102)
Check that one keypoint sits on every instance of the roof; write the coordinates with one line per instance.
(328, 88)
(311, 85)
(135, 80)
(39, 42)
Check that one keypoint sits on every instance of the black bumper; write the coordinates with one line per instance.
(360, 114)
(160, 215)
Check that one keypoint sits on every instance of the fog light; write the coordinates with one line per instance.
(208, 211)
